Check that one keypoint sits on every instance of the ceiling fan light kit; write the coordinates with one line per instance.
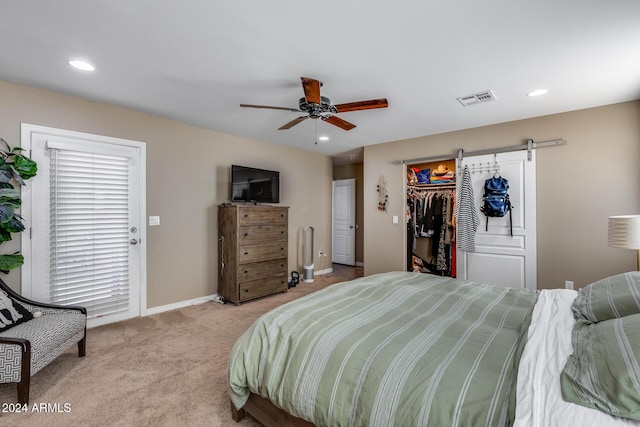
(319, 107)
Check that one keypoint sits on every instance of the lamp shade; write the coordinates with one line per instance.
(624, 231)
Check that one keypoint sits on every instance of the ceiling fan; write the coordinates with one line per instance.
(319, 107)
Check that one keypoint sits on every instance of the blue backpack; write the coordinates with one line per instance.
(495, 201)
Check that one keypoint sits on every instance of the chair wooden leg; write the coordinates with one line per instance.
(82, 346)
(25, 374)
(23, 391)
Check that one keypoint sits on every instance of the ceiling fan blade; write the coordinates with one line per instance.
(337, 121)
(292, 123)
(362, 105)
(311, 90)
(270, 107)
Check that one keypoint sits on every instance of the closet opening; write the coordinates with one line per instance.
(431, 195)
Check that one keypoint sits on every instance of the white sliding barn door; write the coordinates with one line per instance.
(87, 227)
(500, 258)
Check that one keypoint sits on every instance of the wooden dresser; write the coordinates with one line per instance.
(252, 251)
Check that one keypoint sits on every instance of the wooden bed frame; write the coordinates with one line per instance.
(267, 413)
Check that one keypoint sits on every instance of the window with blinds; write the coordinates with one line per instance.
(89, 231)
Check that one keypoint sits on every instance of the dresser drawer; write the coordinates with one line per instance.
(262, 287)
(257, 270)
(262, 233)
(262, 251)
(252, 215)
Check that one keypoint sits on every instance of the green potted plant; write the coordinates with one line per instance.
(15, 169)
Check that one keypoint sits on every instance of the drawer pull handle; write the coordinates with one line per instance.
(246, 215)
(246, 253)
(245, 272)
(246, 234)
(246, 290)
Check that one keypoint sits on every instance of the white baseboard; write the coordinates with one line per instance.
(181, 304)
(359, 264)
(201, 300)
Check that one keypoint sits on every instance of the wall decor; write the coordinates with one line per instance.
(383, 196)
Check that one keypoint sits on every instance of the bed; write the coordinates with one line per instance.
(410, 349)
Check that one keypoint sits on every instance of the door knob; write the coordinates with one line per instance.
(351, 227)
(133, 241)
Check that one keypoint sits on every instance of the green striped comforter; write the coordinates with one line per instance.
(402, 349)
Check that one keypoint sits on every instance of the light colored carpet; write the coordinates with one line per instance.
(160, 370)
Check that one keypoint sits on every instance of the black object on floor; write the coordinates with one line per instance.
(295, 279)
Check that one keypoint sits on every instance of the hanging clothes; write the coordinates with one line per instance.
(430, 215)
(412, 228)
(443, 252)
(466, 216)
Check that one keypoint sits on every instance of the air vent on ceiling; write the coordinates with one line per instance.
(477, 98)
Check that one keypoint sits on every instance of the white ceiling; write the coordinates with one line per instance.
(195, 61)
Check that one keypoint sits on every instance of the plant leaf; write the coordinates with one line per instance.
(16, 175)
(6, 214)
(9, 262)
(5, 176)
(14, 225)
(26, 167)
(5, 236)
(13, 203)
(5, 143)
(10, 193)
(10, 198)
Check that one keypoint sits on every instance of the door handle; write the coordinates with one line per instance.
(351, 227)
(133, 241)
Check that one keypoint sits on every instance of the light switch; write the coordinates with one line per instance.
(154, 220)
(395, 219)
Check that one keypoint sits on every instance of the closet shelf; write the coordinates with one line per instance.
(423, 186)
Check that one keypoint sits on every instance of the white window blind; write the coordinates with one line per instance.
(89, 231)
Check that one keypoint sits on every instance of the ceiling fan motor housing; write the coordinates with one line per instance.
(316, 110)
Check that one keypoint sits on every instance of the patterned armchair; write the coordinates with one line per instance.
(33, 334)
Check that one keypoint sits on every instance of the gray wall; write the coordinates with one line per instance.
(187, 178)
(579, 186)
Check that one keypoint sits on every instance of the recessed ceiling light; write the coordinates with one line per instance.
(323, 138)
(537, 92)
(81, 65)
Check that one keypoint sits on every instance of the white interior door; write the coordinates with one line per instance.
(87, 223)
(500, 258)
(344, 222)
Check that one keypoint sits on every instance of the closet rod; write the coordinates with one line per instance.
(525, 146)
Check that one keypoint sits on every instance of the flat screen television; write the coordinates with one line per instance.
(254, 185)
